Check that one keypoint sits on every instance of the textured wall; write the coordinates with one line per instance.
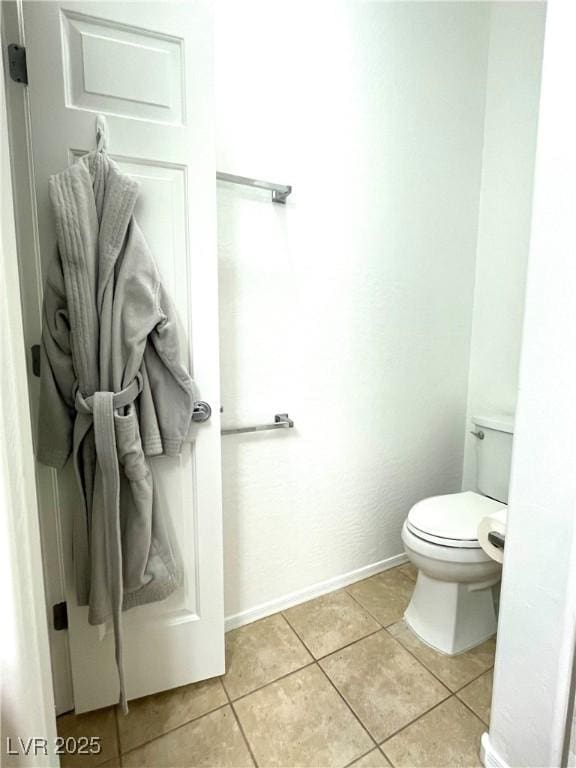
(511, 120)
(350, 307)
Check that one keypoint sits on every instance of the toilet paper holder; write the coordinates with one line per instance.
(496, 539)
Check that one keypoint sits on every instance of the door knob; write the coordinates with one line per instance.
(202, 411)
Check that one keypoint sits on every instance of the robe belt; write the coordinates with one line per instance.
(101, 406)
(119, 399)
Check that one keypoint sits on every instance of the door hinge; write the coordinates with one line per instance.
(35, 357)
(17, 63)
(60, 616)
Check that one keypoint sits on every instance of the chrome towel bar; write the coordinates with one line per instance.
(281, 421)
(279, 191)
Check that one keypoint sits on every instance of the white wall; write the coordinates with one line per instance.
(536, 633)
(350, 308)
(510, 126)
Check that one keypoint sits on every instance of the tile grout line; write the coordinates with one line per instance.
(240, 726)
(176, 728)
(243, 734)
(411, 722)
(350, 644)
(427, 668)
(271, 682)
(321, 597)
(469, 708)
(286, 620)
(386, 757)
(336, 650)
(366, 609)
(356, 759)
(424, 714)
(349, 707)
(473, 680)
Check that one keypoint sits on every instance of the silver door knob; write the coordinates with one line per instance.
(202, 411)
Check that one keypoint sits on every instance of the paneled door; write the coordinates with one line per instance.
(147, 67)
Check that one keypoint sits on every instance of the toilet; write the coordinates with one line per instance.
(452, 608)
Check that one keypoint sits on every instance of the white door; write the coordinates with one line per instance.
(148, 68)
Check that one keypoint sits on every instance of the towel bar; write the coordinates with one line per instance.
(279, 191)
(281, 421)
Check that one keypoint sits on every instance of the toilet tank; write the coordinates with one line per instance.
(493, 455)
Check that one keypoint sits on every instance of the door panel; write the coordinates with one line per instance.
(121, 69)
(148, 68)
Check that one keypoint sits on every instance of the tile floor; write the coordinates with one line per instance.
(338, 681)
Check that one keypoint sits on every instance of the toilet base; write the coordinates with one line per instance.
(451, 617)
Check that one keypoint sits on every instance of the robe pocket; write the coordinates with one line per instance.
(137, 500)
(132, 459)
(129, 445)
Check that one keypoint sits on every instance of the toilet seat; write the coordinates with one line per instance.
(451, 520)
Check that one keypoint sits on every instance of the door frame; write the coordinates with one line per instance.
(27, 238)
(27, 690)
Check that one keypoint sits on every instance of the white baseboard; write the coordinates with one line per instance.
(490, 758)
(316, 590)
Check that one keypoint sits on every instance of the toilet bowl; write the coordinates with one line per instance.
(452, 608)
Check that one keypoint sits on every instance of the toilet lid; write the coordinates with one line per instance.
(451, 520)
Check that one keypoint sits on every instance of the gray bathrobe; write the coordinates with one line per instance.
(113, 390)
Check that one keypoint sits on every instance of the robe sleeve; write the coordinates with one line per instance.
(172, 387)
(56, 413)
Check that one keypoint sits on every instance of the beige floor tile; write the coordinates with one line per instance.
(301, 721)
(214, 740)
(155, 715)
(374, 759)
(261, 652)
(330, 622)
(409, 570)
(478, 695)
(383, 683)
(454, 671)
(448, 736)
(100, 723)
(385, 596)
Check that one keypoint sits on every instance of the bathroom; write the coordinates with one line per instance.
(378, 314)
